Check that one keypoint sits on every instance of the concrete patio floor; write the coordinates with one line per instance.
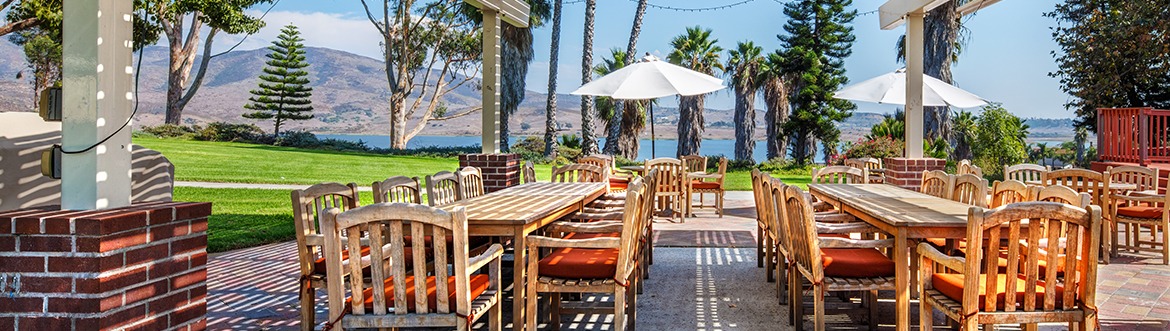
(704, 278)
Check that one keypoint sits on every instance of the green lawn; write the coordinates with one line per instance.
(251, 217)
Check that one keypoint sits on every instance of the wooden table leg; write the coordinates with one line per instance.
(902, 275)
(519, 266)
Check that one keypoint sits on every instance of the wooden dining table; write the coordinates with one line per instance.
(518, 211)
(906, 215)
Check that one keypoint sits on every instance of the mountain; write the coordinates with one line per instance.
(350, 96)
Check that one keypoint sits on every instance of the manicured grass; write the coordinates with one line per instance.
(206, 161)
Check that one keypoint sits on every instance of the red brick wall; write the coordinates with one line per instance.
(140, 267)
(907, 172)
(499, 170)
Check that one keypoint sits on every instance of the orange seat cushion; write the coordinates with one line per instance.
(700, 185)
(576, 235)
(951, 285)
(580, 263)
(856, 263)
(319, 266)
(1140, 211)
(618, 183)
(478, 284)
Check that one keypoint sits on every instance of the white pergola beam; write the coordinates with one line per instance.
(971, 6)
(514, 12)
(97, 84)
(893, 13)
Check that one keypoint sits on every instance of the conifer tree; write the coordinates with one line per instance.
(283, 93)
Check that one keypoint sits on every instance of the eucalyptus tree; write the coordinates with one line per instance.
(695, 50)
(743, 67)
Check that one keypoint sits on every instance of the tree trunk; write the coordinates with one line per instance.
(690, 124)
(632, 48)
(633, 121)
(182, 59)
(776, 100)
(588, 139)
(398, 136)
(550, 107)
(745, 123)
(942, 32)
(613, 129)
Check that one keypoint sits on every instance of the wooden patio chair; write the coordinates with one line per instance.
(969, 189)
(937, 183)
(700, 185)
(471, 182)
(528, 172)
(309, 207)
(673, 186)
(965, 167)
(695, 163)
(759, 192)
(427, 296)
(398, 189)
(831, 264)
(591, 264)
(579, 173)
(1023, 294)
(1140, 209)
(873, 165)
(1009, 192)
(443, 188)
(618, 181)
(1096, 184)
(840, 175)
(1025, 172)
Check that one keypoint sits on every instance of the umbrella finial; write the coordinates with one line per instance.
(649, 58)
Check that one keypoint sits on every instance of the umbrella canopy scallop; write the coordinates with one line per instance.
(891, 89)
(650, 79)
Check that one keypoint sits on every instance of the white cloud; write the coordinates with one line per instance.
(348, 33)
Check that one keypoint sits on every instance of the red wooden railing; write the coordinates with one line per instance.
(1134, 135)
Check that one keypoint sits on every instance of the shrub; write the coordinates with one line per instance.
(784, 166)
(879, 147)
(220, 131)
(299, 139)
(168, 131)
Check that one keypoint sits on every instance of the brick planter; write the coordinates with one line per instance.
(137, 267)
(907, 172)
(499, 170)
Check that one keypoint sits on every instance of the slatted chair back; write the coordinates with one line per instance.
(309, 206)
(398, 189)
(873, 165)
(758, 195)
(803, 244)
(1009, 192)
(965, 167)
(443, 188)
(937, 183)
(634, 220)
(394, 222)
(471, 180)
(528, 172)
(601, 160)
(969, 189)
(672, 182)
(579, 173)
(1081, 180)
(1145, 178)
(1064, 297)
(695, 163)
(1062, 194)
(840, 175)
(778, 213)
(1025, 172)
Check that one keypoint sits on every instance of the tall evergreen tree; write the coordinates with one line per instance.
(818, 39)
(283, 94)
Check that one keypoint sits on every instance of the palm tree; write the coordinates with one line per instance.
(588, 141)
(964, 134)
(608, 110)
(550, 107)
(743, 67)
(632, 111)
(516, 47)
(775, 89)
(943, 41)
(696, 50)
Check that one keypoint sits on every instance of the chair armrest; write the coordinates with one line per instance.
(852, 227)
(493, 252)
(821, 206)
(834, 217)
(1138, 198)
(953, 262)
(608, 227)
(542, 241)
(829, 242)
(707, 176)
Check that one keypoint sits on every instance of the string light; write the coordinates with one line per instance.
(701, 9)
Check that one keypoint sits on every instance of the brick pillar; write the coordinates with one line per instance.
(499, 170)
(907, 172)
(137, 267)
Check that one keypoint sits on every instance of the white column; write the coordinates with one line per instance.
(491, 81)
(97, 97)
(914, 54)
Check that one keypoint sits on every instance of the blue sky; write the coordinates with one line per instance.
(1007, 58)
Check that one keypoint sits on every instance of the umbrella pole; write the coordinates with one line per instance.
(653, 144)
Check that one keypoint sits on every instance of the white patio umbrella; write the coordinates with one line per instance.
(650, 79)
(891, 89)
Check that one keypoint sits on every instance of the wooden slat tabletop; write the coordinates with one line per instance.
(894, 205)
(525, 203)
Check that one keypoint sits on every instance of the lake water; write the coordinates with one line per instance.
(664, 147)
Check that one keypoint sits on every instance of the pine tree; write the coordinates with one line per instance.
(819, 38)
(283, 94)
